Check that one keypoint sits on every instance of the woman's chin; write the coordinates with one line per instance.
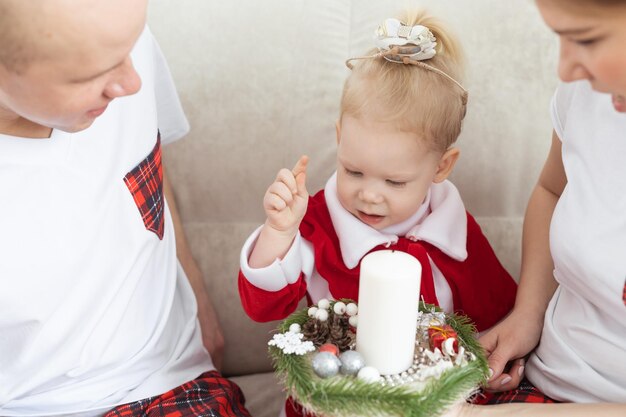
(619, 102)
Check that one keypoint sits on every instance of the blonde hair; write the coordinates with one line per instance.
(415, 99)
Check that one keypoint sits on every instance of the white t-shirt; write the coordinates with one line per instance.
(582, 353)
(95, 310)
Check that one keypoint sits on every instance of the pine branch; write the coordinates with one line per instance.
(340, 396)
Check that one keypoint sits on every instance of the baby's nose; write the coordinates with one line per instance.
(370, 196)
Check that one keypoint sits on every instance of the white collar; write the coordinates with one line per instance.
(441, 221)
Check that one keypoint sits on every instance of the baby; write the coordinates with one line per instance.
(401, 112)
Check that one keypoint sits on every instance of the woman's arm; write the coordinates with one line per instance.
(539, 410)
(519, 333)
(537, 284)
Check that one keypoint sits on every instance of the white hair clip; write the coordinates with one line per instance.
(398, 42)
(417, 43)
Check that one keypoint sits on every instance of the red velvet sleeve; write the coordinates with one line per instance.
(262, 305)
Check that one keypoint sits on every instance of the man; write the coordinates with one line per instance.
(97, 311)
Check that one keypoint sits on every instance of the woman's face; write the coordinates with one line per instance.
(593, 44)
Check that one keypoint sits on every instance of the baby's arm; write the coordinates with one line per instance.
(285, 204)
(519, 333)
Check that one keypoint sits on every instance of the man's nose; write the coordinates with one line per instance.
(125, 81)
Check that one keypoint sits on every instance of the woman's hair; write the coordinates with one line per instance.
(601, 2)
(413, 98)
(585, 5)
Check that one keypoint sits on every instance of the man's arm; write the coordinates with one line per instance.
(212, 336)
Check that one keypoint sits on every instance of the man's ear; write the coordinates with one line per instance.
(446, 164)
(338, 130)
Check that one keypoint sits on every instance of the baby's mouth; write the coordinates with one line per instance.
(371, 219)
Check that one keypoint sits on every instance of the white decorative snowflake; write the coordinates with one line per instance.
(292, 343)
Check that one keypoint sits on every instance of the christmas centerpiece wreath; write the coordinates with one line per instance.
(315, 358)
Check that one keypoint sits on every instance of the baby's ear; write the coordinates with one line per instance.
(446, 164)
(338, 129)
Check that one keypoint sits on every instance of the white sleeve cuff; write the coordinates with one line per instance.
(279, 273)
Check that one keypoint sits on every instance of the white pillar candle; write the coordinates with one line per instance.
(388, 305)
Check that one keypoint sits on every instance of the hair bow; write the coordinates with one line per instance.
(414, 42)
(398, 42)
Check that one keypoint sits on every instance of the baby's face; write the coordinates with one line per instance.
(80, 63)
(383, 174)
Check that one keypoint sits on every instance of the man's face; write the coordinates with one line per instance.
(81, 63)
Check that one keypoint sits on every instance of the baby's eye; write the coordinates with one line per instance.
(396, 183)
(353, 173)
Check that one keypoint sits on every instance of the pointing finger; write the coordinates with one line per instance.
(299, 172)
(300, 166)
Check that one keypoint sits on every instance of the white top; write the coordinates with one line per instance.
(95, 310)
(582, 353)
(441, 220)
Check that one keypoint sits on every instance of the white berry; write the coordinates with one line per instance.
(295, 328)
(352, 309)
(323, 304)
(368, 374)
(339, 308)
(321, 315)
(312, 311)
(354, 321)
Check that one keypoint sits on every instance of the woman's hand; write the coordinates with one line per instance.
(509, 342)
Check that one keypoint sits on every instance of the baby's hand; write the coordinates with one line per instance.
(286, 200)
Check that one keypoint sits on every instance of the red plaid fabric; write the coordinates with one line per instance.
(208, 395)
(145, 183)
(524, 393)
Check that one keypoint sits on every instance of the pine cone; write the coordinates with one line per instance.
(315, 331)
(340, 334)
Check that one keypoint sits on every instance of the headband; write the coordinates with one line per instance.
(410, 45)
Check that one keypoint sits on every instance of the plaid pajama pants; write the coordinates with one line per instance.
(524, 393)
(209, 395)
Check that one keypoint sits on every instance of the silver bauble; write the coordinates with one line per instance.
(351, 362)
(325, 364)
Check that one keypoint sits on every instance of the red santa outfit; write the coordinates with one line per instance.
(460, 271)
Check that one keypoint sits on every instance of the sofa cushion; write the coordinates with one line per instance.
(264, 395)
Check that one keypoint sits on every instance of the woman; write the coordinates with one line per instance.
(571, 303)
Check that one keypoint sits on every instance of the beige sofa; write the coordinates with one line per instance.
(260, 81)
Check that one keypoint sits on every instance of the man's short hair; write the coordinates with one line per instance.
(16, 47)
